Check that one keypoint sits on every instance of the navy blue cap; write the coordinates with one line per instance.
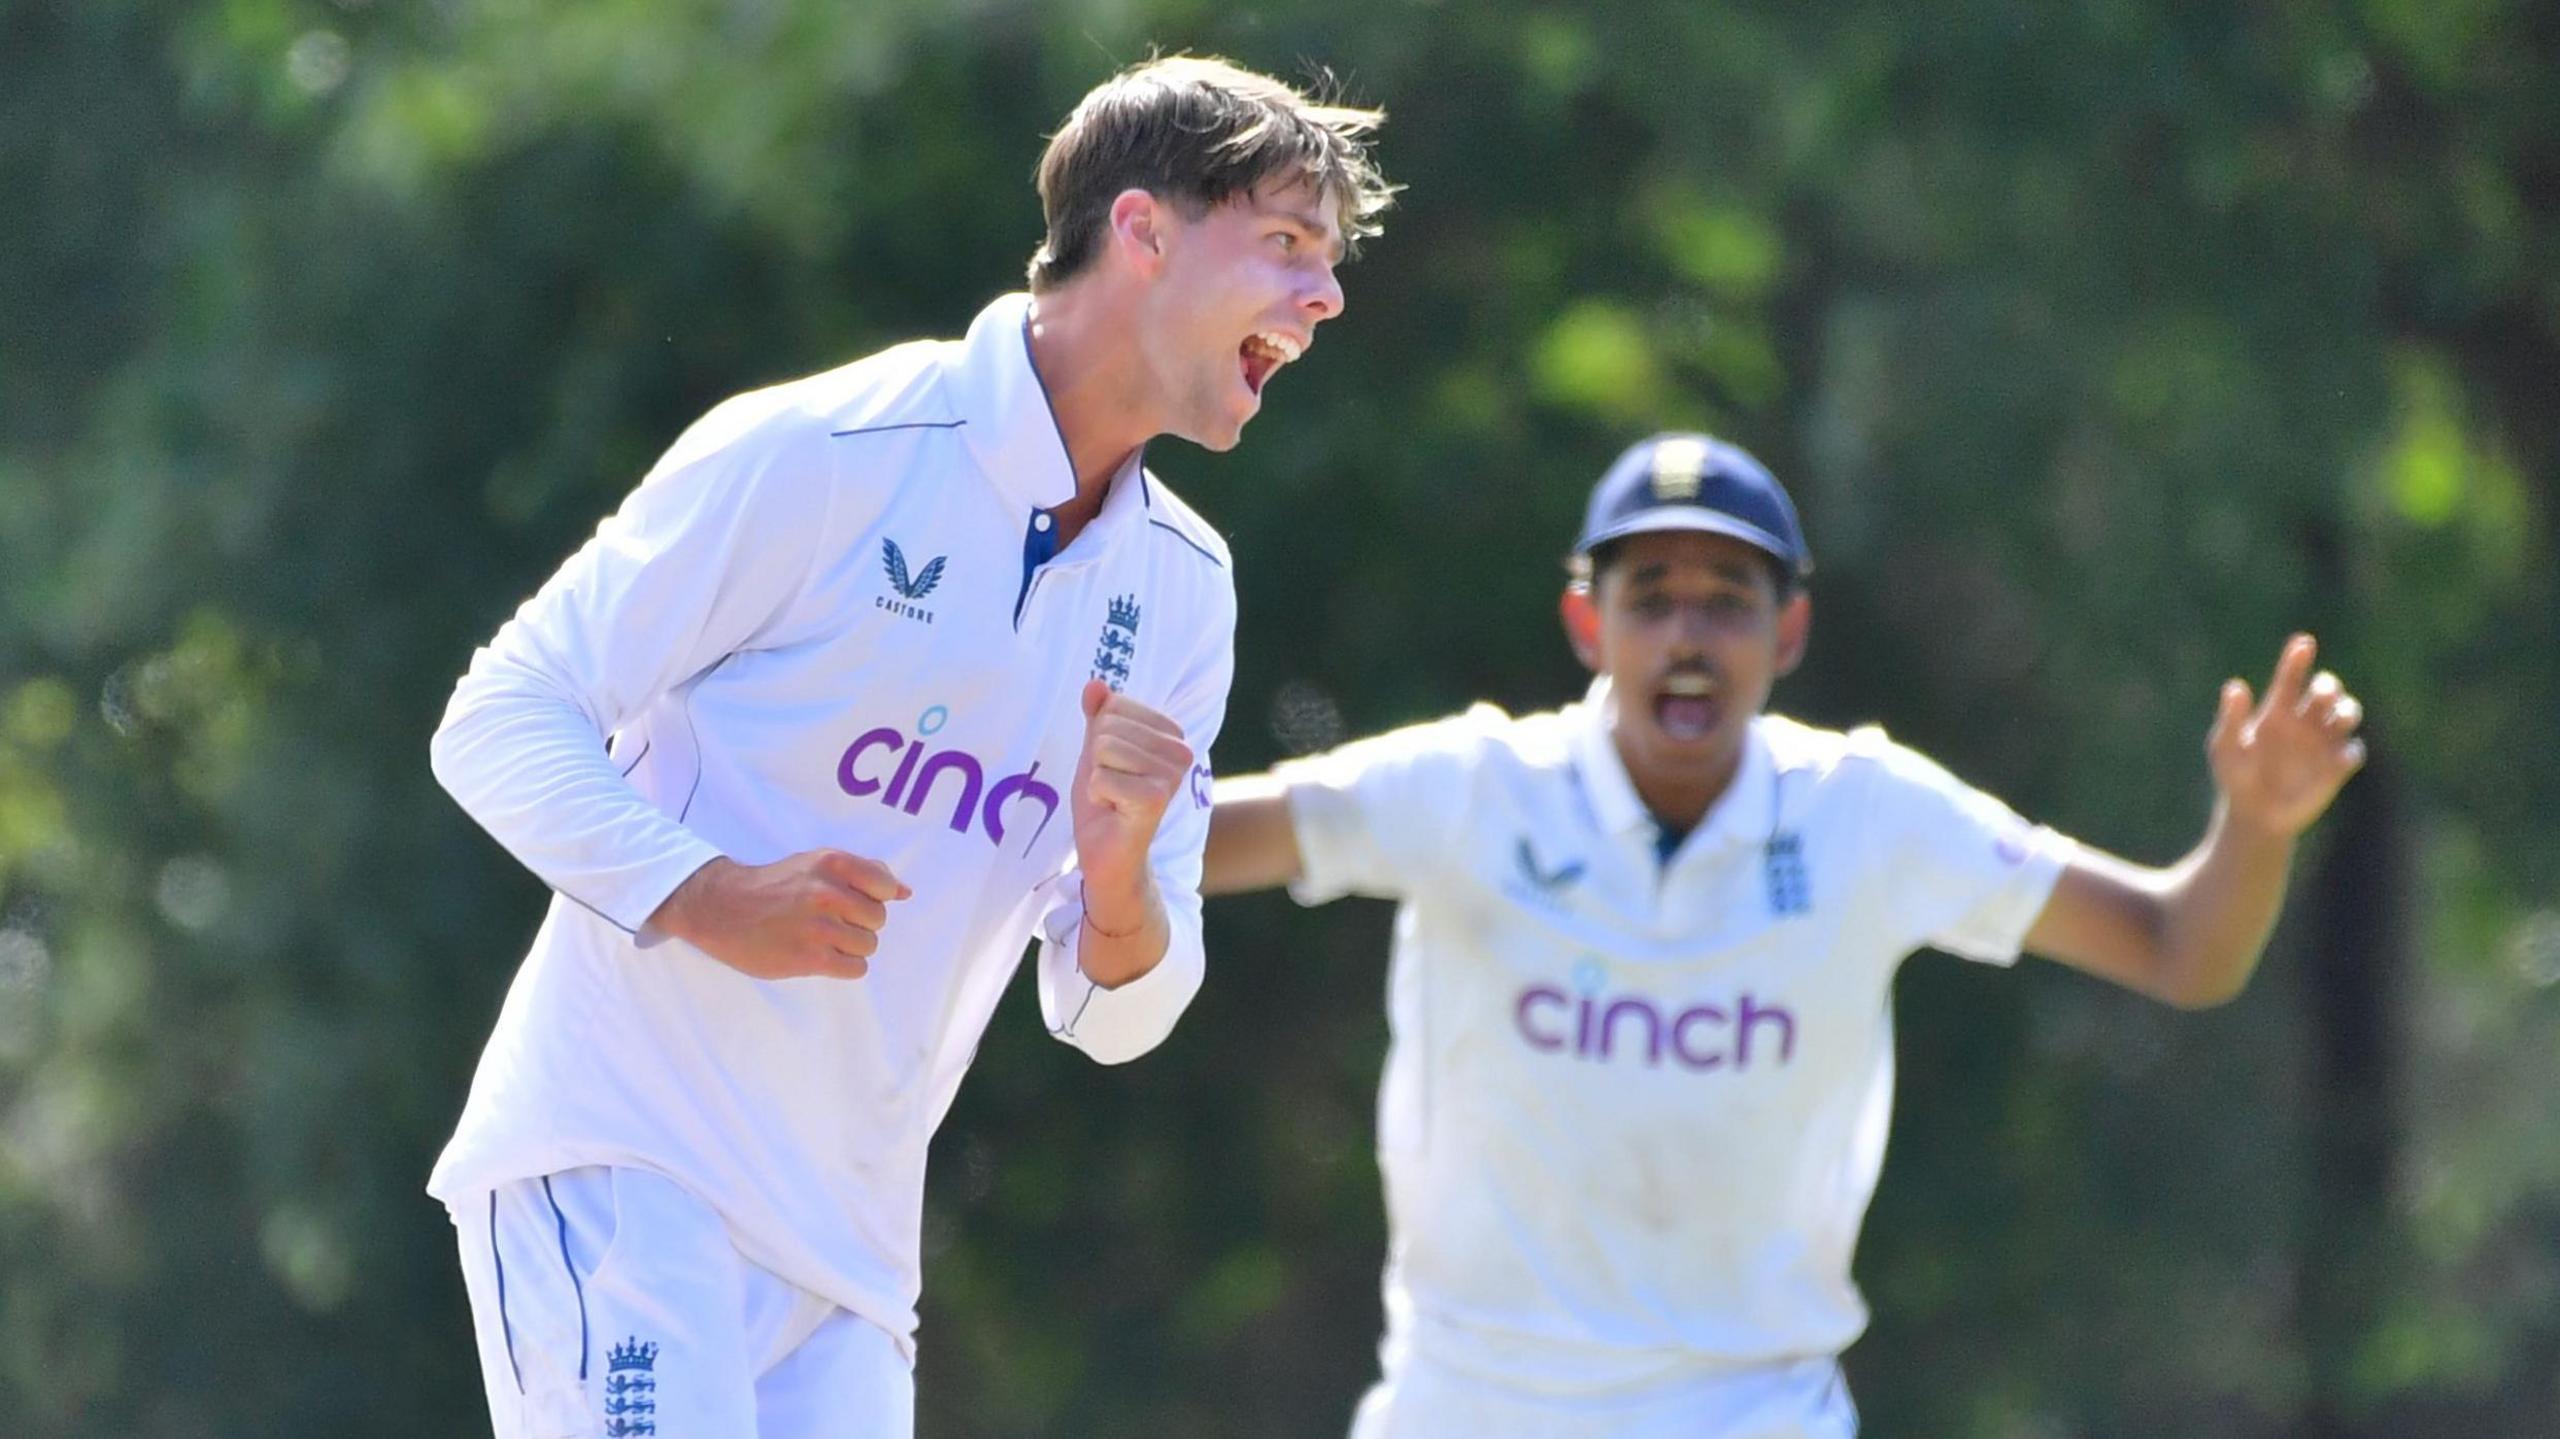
(1695, 482)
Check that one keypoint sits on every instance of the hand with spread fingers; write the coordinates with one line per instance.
(1134, 762)
(2279, 766)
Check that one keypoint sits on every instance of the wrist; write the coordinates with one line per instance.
(1120, 911)
(676, 913)
(2240, 825)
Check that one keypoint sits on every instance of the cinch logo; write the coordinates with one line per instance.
(895, 561)
(1595, 1026)
(910, 784)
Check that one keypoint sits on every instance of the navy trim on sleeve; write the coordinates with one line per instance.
(901, 425)
(1186, 539)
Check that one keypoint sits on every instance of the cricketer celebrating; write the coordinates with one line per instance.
(1642, 1058)
(876, 676)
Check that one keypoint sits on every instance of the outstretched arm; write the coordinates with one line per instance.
(1253, 842)
(2191, 934)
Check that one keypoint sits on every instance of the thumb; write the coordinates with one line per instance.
(1096, 695)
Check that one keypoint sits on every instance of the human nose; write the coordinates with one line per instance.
(1323, 300)
(1692, 624)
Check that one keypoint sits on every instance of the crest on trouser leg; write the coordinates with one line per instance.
(631, 1389)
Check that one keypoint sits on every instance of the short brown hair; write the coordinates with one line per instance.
(1197, 131)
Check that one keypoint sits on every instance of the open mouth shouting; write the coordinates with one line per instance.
(1686, 706)
(1263, 353)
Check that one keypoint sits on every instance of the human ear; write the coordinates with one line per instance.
(1581, 616)
(1795, 631)
(1137, 229)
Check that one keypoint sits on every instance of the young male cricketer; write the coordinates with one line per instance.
(1642, 1057)
(876, 676)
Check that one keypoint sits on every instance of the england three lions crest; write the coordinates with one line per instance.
(631, 1389)
(1117, 649)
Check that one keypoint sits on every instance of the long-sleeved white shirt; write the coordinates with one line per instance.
(834, 615)
(1634, 1109)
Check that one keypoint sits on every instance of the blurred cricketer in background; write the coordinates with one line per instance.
(1641, 1069)
(878, 675)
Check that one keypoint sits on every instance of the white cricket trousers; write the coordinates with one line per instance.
(1421, 1399)
(610, 1303)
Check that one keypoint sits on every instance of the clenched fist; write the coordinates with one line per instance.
(1134, 763)
(818, 913)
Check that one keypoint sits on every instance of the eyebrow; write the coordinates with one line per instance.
(1738, 572)
(1315, 228)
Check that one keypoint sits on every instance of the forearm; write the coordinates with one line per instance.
(2191, 934)
(2218, 906)
(531, 768)
(1253, 840)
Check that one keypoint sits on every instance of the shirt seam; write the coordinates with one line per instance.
(896, 425)
(695, 731)
(1186, 539)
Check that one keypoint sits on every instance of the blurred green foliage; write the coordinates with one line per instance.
(2102, 344)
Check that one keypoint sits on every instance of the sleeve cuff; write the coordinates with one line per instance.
(1115, 1026)
(636, 895)
(1326, 820)
(1997, 931)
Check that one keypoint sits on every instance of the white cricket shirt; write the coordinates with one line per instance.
(833, 615)
(1633, 1111)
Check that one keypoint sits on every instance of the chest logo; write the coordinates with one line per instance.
(1117, 650)
(1532, 883)
(1545, 881)
(1597, 1025)
(910, 588)
(1783, 861)
(980, 800)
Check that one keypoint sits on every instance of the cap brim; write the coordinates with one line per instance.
(1694, 521)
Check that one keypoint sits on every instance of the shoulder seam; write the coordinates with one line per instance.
(897, 425)
(1198, 547)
